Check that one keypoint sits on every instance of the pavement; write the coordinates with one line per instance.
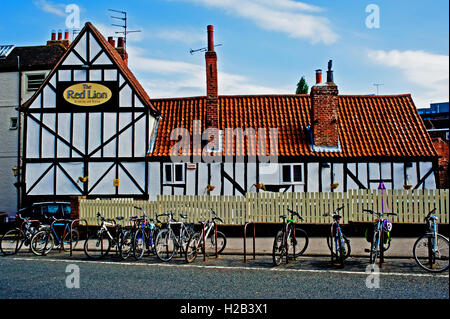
(400, 247)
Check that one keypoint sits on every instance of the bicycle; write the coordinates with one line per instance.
(13, 240)
(208, 240)
(381, 226)
(99, 243)
(431, 250)
(127, 243)
(289, 237)
(342, 247)
(47, 238)
(167, 243)
(145, 235)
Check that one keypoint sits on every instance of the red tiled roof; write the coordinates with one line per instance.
(369, 126)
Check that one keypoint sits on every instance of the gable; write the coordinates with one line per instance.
(90, 76)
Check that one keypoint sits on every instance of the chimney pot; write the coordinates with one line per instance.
(318, 76)
(210, 38)
(53, 35)
(112, 42)
(121, 42)
(66, 35)
(59, 35)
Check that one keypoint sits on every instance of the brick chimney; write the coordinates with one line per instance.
(60, 41)
(324, 112)
(121, 50)
(212, 98)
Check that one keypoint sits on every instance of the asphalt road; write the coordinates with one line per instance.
(27, 276)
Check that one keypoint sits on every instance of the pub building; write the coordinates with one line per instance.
(91, 130)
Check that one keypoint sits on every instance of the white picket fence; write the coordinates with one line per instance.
(410, 205)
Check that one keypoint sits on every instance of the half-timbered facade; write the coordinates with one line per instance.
(88, 128)
(91, 130)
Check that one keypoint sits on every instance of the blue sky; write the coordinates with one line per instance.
(267, 45)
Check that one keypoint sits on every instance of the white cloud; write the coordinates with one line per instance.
(185, 35)
(428, 71)
(46, 6)
(167, 78)
(290, 17)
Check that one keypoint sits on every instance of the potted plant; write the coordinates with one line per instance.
(209, 189)
(83, 179)
(260, 186)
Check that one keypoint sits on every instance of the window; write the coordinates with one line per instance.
(34, 81)
(13, 123)
(291, 173)
(174, 173)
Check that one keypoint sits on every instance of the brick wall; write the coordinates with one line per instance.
(442, 149)
(325, 103)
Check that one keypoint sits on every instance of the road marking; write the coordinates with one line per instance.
(229, 267)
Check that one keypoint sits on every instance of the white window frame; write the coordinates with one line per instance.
(27, 87)
(291, 181)
(173, 170)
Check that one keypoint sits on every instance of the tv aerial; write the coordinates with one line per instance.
(202, 49)
(124, 25)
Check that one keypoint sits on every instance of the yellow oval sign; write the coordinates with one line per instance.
(87, 94)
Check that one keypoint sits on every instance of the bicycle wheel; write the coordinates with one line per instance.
(426, 258)
(279, 248)
(193, 247)
(42, 243)
(165, 245)
(374, 249)
(347, 248)
(75, 239)
(126, 244)
(210, 244)
(299, 244)
(139, 243)
(97, 245)
(11, 242)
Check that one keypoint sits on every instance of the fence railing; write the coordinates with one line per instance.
(410, 205)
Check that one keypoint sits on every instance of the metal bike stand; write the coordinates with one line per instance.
(245, 241)
(204, 242)
(61, 246)
(71, 229)
(381, 248)
(204, 239)
(286, 241)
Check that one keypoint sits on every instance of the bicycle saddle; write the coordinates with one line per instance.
(119, 218)
(183, 216)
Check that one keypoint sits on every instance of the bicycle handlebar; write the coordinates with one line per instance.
(429, 214)
(379, 214)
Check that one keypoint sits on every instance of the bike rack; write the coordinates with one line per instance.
(381, 248)
(65, 221)
(204, 239)
(245, 240)
(287, 242)
(78, 220)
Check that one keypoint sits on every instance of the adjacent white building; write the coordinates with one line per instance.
(22, 71)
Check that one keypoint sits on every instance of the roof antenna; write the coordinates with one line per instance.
(202, 49)
(124, 25)
(378, 85)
